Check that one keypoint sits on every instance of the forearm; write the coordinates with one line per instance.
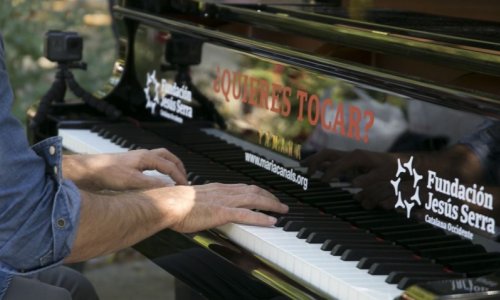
(112, 222)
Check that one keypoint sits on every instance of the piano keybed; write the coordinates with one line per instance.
(327, 241)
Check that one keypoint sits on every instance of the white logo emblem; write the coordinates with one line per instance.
(401, 202)
(152, 89)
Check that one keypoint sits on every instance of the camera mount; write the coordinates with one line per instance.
(65, 48)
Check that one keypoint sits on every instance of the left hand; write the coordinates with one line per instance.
(123, 171)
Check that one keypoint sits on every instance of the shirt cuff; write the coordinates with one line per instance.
(54, 241)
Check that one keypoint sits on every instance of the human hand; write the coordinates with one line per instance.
(199, 207)
(369, 171)
(359, 166)
(123, 171)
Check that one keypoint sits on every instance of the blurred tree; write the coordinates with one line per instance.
(23, 24)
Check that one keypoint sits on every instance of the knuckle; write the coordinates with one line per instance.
(163, 151)
(217, 185)
(169, 164)
(253, 189)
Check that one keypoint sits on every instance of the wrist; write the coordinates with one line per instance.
(173, 203)
(76, 169)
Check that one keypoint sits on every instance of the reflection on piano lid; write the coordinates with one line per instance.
(375, 121)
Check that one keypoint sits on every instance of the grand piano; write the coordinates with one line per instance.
(373, 120)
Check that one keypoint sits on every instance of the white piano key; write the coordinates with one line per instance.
(308, 264)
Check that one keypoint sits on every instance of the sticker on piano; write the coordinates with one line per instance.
(167, 99)
(449, 204)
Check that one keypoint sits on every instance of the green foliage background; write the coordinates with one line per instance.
(23, 24)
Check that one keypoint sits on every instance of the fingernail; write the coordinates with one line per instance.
(284, 206)
(272, 220)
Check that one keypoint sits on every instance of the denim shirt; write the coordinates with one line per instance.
(39, 211)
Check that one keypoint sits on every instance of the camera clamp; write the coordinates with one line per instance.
(67, 58)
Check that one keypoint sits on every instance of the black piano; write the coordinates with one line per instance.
(377, 122)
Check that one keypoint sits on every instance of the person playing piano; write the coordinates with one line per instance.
(51, 210)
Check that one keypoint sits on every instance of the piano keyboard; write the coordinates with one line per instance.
(326, 241)
(87, 142)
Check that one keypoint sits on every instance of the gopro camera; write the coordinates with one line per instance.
(63, 47)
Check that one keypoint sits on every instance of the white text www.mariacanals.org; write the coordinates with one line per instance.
(271, 166)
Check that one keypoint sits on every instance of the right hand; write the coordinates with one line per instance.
(199, 207)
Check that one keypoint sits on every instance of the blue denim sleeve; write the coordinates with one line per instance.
(39, 211)
(485, 144)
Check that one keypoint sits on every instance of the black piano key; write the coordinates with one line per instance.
(328, 199)
(320, 237)
(378, 222)
(396, 277)
(305, 232)
(340, 248)
(346, 238)
(340, 209)
(482, 272)
(447, 251)
(406, 282)
(333, 203)
(319, 191)
(475, 265)
(106, 134)
(413, 240)
(298, 214)
(367, 262)
(395, 235)
(282, 221)
(311, 211)
(292, 187)
(401, 226)
(198, 180)
(298, 225)
(357, 254)
(216, 146)
(439, 244)
(355, 215)
(386, 268)
(451, 259)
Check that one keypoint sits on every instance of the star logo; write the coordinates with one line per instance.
(152, 90)
(406, 168)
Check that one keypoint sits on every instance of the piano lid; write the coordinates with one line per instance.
(449, 56)
(329, 108)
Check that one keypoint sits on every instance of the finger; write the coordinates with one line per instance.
(164, 166)
(316, 161)
(162, 152)
(143, 181)
(236, 189)
(373, 195)
(167, 167)
(348, 166)
(252, 201)
(368, 179)
(249, 217)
